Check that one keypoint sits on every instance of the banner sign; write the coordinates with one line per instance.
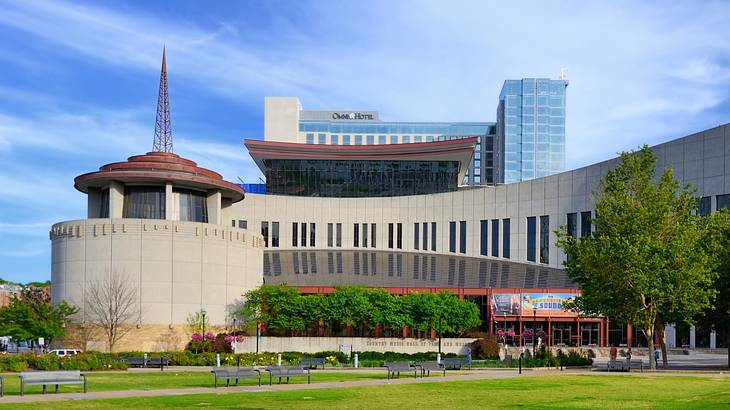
(505, 304)
(546, 303)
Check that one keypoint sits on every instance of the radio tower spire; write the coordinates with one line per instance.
(163, 124)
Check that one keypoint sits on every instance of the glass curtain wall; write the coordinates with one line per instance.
(193, 205)
(146, 202)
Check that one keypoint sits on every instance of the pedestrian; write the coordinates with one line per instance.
(613, 353)
(656, 358)
(628, 359)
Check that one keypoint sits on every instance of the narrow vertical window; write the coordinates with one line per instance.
(364, 235)
(330, 235)
(294, 234)
(373, 235)
(275, 234)
(705, 205)
(505, 238)
(390, 236)
(452, 236)
(339, 235)
(495, 237)
(585, 224)
(265, 233)
(356, 235)
(312, 234)
(483, 245)
(399, 241)
(531, 238)
(545, 239)
(433, 236)
(416, 239)
(425, 236)
(572, 224)
(303, 237)
(462, 236)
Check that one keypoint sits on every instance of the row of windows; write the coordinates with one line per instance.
(423, 234)
(347, 139)
(274, 233)
(302, 239)
(242, 223)
(484, 237)
(721, 201)
(462, 236)
(398, 237)
(396, 128)
(364, 243)
(544, 238)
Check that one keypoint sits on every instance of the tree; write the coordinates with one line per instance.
(30, 315)
(111, 306)
(718, 243)
(348, 306)
(645, 259)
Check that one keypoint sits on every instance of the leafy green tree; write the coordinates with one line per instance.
(718, 243)
(273, 305)
(388, 311)
(348, 306)
(31, 315)
(646, 258)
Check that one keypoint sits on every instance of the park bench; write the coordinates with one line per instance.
(426, 368)
(312, 362)
(456, 362)
(634, 364)
(394, 368)
(150, 362)
(625, 365)
(2, 386)
(234, 373)
(288, 371)
(52, 378)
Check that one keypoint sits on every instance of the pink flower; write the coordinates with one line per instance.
(196, 336)
(500, 333)
(510, 333)
(240, 338)
(229, 339)
(210, 336)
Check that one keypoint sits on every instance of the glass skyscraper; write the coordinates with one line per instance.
(531, 128)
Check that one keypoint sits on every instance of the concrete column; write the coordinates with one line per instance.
(214, 207)
(170, 204)
(116, 200)
(692, 337)
(670, 336)
(713, 339)
(93, 206)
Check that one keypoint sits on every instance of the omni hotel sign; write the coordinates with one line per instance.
(352, 116)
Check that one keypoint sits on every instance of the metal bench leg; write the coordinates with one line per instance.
(86, 385)
(56, 389)
(22, 388)
(309, 378)
(44, 389)
(259, 380)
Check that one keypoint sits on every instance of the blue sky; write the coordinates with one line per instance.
(78, 81)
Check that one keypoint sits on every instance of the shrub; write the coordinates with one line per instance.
(486, 347)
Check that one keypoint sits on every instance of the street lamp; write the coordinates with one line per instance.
(202, 314)
(504, 316)
(234, 326)
(534, 333)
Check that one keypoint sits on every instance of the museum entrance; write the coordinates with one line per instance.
(589, 334)
(562, 334)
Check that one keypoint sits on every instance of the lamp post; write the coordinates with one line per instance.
(534, 333)
(439, 337)
(202, 314)
(234, 326)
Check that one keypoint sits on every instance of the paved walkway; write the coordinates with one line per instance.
(477, 374)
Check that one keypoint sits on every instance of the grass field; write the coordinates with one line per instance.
(534, 392)
(103, 381)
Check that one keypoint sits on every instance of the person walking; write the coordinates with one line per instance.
(656, 358)
(628, 359)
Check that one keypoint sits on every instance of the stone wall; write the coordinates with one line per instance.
(145, 338)
(358, 344)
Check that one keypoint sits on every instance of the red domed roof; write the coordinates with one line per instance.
(159, 167)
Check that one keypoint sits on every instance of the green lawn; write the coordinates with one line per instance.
(103, 381)
(552, 391)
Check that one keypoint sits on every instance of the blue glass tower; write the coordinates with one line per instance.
(531, 128)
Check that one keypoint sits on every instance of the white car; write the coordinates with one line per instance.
(65, 352)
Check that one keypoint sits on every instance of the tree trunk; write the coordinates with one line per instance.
(649, 333)
(663, 343)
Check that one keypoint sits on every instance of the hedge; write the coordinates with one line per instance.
(84, 361)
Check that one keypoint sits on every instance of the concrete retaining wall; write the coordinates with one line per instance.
(357, 344)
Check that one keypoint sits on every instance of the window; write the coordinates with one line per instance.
(531, 238)
(495, 237)
(371, 139)
(358, 139)
(356, 235)
(505, 238)
(339, 236)
(483, 246)
(373, 235)
(381, 139)
(334, 139)
(322, 139)
(462, 236)
(705, 205)
(294, 234)
(233, 223)
(545, 239)
(585, 224)
(330, 235)
(425, 236)
(416, 241)
(144, 202)
(433, 236)
(265, 233)
(573, 224)
(304, 234)
(243, 224)
(406, 139)
(723, 201)
(312, 234)
(104, 205)
(364, 235)
(310, 138)
(452, 236)
(393, 139)
(417, 138)
(345, 139)
(399, 241)
(390, 236)
(274, 234)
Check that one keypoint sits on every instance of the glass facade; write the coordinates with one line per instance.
(193, 205)
(146, 202)
(545, 239)
(505, 238)
(531, 128)
(327, 178)
(531, 238)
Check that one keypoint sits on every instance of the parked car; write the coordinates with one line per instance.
(65, 352)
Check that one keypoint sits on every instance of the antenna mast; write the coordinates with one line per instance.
(163, 123)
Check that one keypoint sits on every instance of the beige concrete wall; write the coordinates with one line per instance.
(358, 344)
(143, 338)
(176, 267)
(281, 119)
